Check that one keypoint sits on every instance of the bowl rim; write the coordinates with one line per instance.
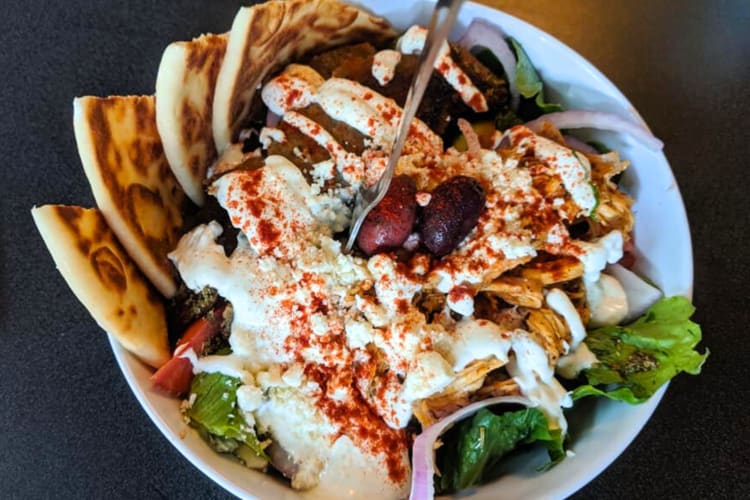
(143, 392)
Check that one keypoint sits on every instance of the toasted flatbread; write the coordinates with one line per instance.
(184, 104)
(132, 183)
(104, 278)
(267, 35)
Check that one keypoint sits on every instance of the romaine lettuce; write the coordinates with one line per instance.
(636, 359)
(472, 450)
(530, 85)
(215, 414)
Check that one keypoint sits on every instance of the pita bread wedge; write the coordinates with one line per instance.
(267, 35)
(184, 104)
(132, 183)
(104, 278)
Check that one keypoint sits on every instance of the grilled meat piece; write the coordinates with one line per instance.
(350, 138)
(440, 103)
(298, 148)
(494, 88)
(349, 61)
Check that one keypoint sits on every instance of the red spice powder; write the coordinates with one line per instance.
(389, 113)
(573, 250)
(255, 206)
(476, 101)
(459, 293)
(355, 419)
(291, 97)
(319, 305)
(267, 232)
(251, 179)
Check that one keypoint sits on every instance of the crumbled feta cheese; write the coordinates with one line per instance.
(359, 333)
(461, 300)
(293, 375)
(249, 397)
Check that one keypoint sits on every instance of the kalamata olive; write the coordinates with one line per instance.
(388, 225)
(452, 213)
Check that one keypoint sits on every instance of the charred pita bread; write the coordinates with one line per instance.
(267, 35)
(184, 104)
(104, 278)
(130, 178)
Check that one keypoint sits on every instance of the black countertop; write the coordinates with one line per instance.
(71, 428)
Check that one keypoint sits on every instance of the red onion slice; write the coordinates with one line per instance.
(599, 120)
(423, 457)
(485, 34)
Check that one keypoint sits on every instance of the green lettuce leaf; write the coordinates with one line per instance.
(635, 360)
(530, 85)
(215, 414)
(472, 450)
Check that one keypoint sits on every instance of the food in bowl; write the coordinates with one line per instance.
(474, 281)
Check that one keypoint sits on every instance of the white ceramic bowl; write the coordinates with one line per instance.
(600, 430)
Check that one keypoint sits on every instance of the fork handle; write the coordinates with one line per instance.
(443, 17)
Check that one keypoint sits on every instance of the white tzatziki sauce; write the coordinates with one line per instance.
(335, 351)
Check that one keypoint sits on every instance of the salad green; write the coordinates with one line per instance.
(215, 414)
(636, 359)
(529, 84)
(472, 451)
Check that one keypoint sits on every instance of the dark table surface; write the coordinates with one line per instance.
(71, 428)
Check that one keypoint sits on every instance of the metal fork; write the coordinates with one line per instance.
(437, 33)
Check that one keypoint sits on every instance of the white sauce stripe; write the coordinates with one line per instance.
(559, 302)
(299, 303)
(384, 65)
(373, 115)
(607, 301)
(569, 366)
(412, 42)
(595, 255)
(294, 88)
(573, 168)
